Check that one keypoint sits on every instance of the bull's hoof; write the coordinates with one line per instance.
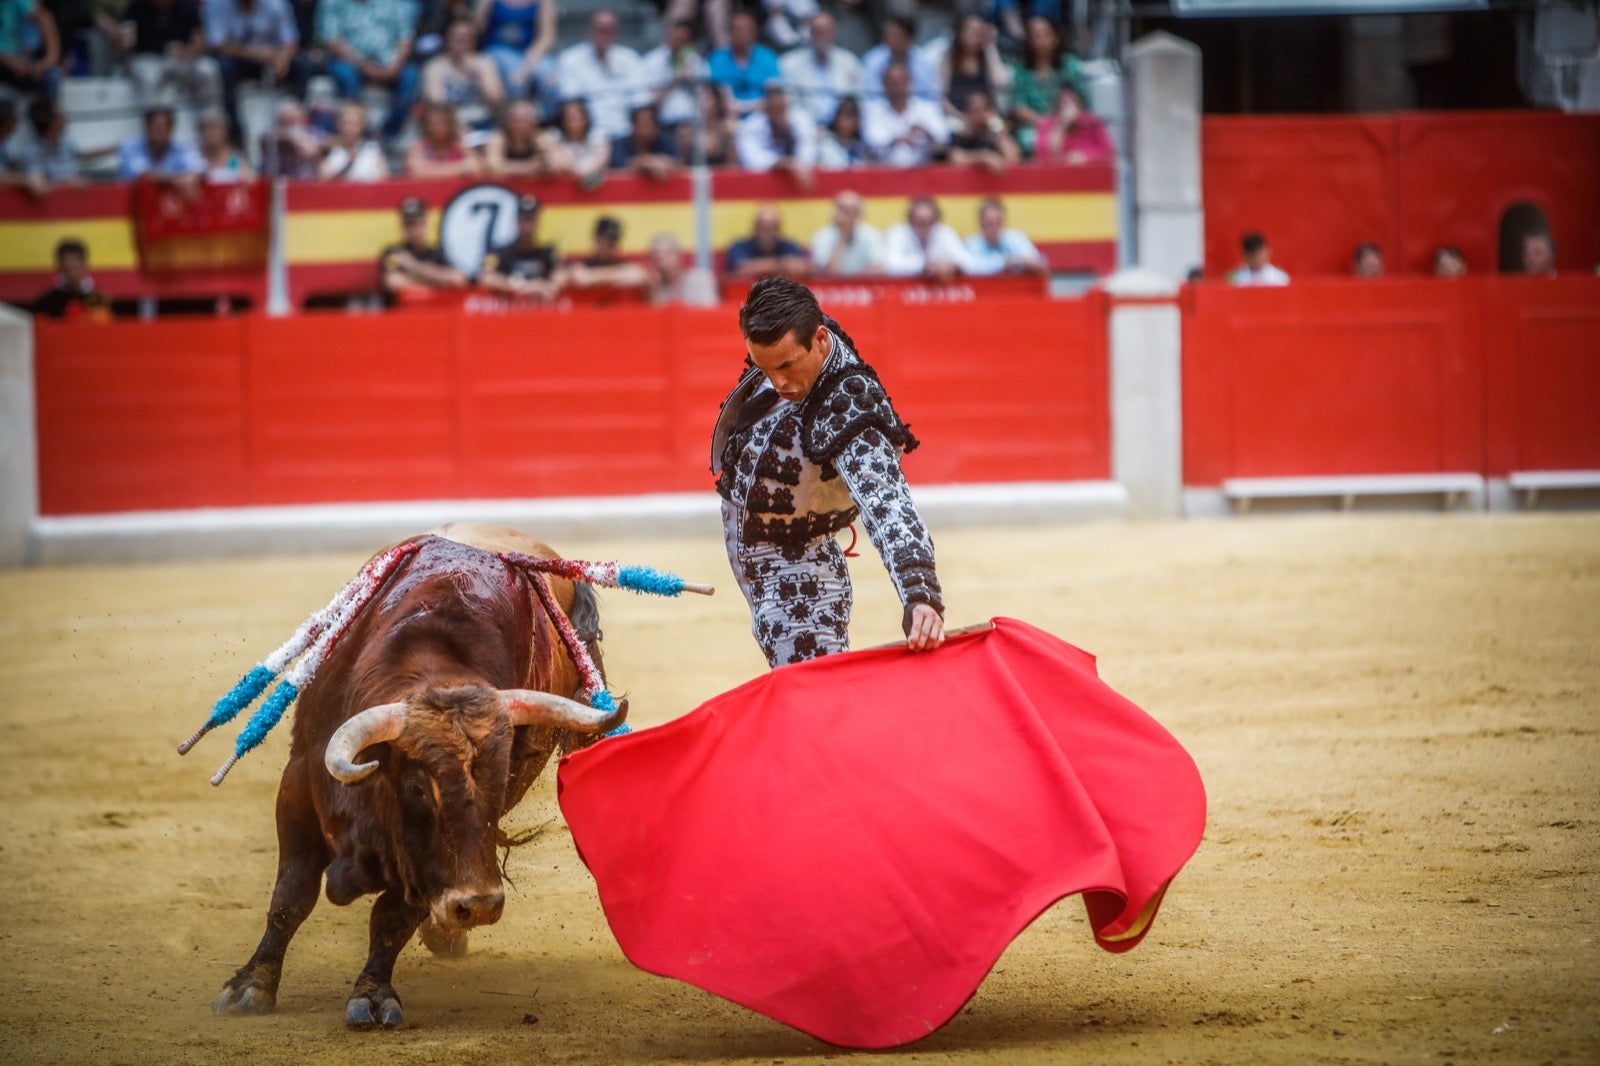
(371, 1009)
(450, 943)
(244, 997)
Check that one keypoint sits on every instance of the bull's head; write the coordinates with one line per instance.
(447, 766)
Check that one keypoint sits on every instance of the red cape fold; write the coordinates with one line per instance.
(848, 844)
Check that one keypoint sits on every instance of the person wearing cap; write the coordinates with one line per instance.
(524, 267)
(156, 153)
(604, 267)
(413, 267)
(74, 294)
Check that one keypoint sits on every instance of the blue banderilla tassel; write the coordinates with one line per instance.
(241, 695)
(603, 700)
(649, 579)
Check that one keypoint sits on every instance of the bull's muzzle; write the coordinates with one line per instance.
(459, 908)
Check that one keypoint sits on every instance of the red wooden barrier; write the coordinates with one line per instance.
(1482, 375)
(447, 405)
(1316, 186)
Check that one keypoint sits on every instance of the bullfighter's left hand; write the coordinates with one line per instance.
(927, 629)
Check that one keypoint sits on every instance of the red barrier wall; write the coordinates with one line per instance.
(1317, 186)
(1483, 375)
(441, 404)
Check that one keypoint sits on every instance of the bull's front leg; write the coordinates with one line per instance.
(302, 856)
(374, 1000)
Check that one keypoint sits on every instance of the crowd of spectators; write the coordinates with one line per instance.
(480, 86)
(532, 270)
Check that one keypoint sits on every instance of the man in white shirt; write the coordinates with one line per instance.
(847, 246)
(900, 129)
(669, 72)
(819, 73)
(900, 46)
(779, 138)
(604, 74)
(923, 245)
(1257, 268)
(997, 250)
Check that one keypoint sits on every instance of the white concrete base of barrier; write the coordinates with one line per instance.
(155, 535)
(1239, 496)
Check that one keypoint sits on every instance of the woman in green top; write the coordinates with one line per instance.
(1046, 65)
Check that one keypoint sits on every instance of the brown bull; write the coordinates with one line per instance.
(428, 720)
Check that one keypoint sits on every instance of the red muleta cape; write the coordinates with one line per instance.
(848, 844)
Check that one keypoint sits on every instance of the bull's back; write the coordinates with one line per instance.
(493, 538)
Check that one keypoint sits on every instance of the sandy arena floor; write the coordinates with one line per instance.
(1397, 719)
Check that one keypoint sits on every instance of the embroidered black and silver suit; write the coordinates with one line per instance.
(791, 478)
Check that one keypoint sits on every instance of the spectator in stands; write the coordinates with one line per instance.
(1448, 262)
(995, 249)
(77, 28)
(782, 18)
(225, 164)
(53, 158)
(842, 145)
(1257, 268)
(648, 149)
(778, 138)
(924, 246)
(675, 281)
(899, 48)
(972, 65)
(716, 135)
(1539, 255)
(820, 73)
(438, 151)
(513, 149)
(24, 66)
(575, 147)
(766, 252)
(903, 130)
(369, 42)
(605, 75)
(167, 46)
(293, 147)
(713, 13)
(254, 39)
(467, 81)
(744, 67)
(415, 267)
(669, 73)
(74, 294)
(352, 153)
(1367, 261)
(847, 246)
(983, 140)
(1072, 133)
(1036, 80)
(604, 267)
(520, 36)
(11, 172)
(156, 153)
(525, 267)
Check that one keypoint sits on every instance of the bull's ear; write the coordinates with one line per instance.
(375, 725)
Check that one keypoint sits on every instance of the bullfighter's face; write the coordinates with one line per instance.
(790, 366)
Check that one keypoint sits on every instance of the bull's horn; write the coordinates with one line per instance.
(527, 707)
(372, 726)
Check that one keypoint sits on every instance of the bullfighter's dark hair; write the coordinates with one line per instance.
(777, 308)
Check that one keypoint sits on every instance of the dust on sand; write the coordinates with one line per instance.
(1397, 719)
